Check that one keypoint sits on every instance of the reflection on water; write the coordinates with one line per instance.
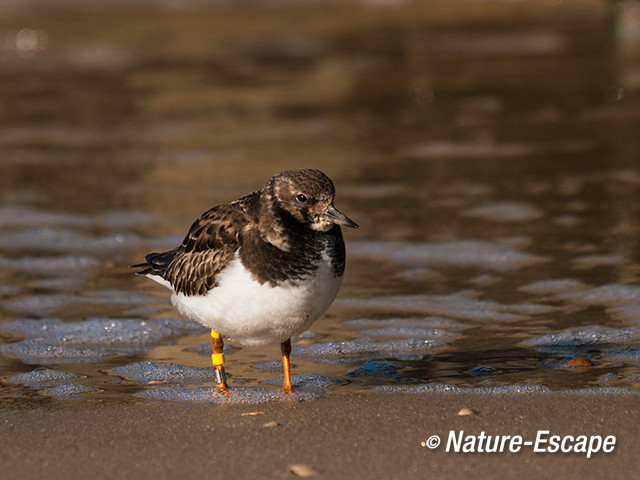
(490, 157)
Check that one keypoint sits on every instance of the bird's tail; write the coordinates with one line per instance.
(156, 263)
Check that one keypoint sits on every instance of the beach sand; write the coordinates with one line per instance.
(347, 436)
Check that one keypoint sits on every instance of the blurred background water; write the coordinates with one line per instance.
(489, 151)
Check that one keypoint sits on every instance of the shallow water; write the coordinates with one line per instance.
(490, 156)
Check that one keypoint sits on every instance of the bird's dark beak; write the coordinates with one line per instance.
(336, 216)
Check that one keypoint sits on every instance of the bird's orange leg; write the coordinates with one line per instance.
(217, 358)
(286, 353)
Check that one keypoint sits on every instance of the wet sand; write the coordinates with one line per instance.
(351, 436)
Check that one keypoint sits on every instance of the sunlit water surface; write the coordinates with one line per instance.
(492, 162)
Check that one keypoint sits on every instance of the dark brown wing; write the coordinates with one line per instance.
(207, 248)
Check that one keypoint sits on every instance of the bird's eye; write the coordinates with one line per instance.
(301, 197)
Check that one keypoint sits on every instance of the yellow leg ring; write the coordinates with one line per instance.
(215, 334)
(217, 358)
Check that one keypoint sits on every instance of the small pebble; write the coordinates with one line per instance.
(251, 414)
(301, 470)
(578, 362)
(464, 411)
(273, 423)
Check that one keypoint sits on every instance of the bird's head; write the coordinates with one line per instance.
(307, 195)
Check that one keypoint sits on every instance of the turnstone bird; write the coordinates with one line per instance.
(260, 269)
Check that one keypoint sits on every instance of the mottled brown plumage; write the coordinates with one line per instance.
(272, 231)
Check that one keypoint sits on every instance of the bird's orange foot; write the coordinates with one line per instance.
(222, 389)
(286, 388)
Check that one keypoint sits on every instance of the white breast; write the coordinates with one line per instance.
(243, 310)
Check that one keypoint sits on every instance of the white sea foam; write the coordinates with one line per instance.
(588, 335)
(459, 305)
(164, 372)
(462, 253)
